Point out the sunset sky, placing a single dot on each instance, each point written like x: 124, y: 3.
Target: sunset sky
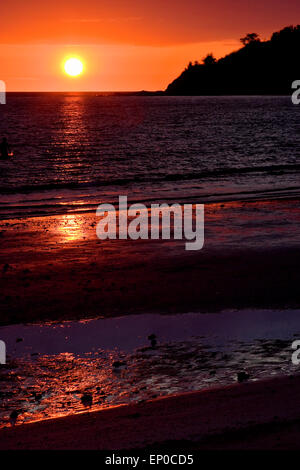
x: 125, y: 45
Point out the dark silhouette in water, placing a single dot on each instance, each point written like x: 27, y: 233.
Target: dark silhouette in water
x: 259, y: 67
x: 5, y: 151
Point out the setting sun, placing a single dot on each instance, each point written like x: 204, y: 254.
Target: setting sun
x: 73, y: 67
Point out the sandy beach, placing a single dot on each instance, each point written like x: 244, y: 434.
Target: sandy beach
x: 250, y: 259
x: 258, y: 415
x: 63, y: 272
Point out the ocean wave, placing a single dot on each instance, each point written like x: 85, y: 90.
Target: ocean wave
x: 213, y: 173
x: 42, y: 208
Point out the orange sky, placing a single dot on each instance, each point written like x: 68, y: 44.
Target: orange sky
x: 126, y: 45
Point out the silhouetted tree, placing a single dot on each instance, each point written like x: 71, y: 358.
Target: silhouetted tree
x: 192, y: 65
x: 209, y: 60
x: 250, y: 38
x: 286, y: 34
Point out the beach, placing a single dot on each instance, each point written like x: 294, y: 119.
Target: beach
x: 250, y: 259
x: 262, y: 415
x: 66, y: 283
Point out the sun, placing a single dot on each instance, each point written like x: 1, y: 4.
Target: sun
x: 73, y: 67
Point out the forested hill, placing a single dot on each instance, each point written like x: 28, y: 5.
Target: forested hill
x: 259, y: 67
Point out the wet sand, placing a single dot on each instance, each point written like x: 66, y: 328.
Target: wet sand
x: 55, y: 268
x: 53, y: 366
x: 257, y: 415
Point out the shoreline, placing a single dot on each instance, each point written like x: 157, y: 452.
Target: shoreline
x: 241, y: 416
x: 265, y: 196
x: 63, y: 272
x: 89, y: 278
x: 192, y: 352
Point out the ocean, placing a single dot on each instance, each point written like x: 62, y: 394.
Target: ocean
x: 73, y: 151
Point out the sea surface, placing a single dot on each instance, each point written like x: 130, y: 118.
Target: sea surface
x: 73, y: 151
